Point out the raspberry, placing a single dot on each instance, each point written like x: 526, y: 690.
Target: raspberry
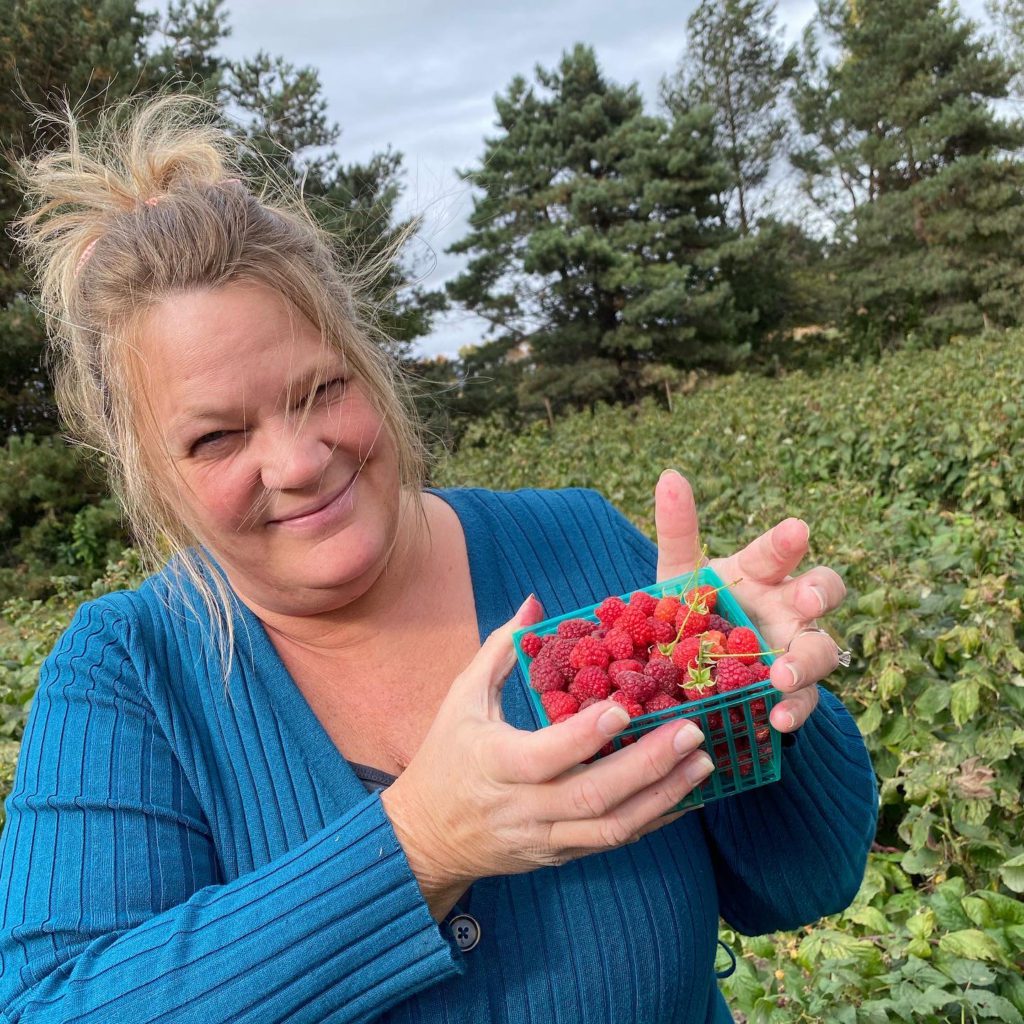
x: 662, y: 631
x: 691, y: 621
x: 619, y: 644
x: 590, y: 682
x: 531, y: 644
x: 635, y: 710
x: 759, y: 671
x: 685, y: 653
x: 742, y: 643
x: 626, y: 665
x: 636, y: 686
x: 545, y: 676
x: 609, y: 610
x: 731, y: 674
x: 590, y: 700
x: 718, y: 623
x: 644, y: 601
x: 558, y: 653
x: 660, y: 702
x: 703, y: 598
x: 589, y: 651
x: 714, y: 637
x: 634, y: 622
x: 699, y: 688
x: 665, y: 674
x: 666, y: 609
x: 715, y: 720
x: 558, y: 703
x: 573, y: 629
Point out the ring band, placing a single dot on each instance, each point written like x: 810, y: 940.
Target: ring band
x: 844, y: 657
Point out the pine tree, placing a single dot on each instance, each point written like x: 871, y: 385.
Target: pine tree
x: 595, y: 236
x: 905, y: 156
x: 52, y: 51
x: 735, y: 63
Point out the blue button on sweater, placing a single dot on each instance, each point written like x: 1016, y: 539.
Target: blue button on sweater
x: 181, y: 851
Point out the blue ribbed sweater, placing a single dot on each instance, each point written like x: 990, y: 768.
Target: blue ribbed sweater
x: 176, y: 853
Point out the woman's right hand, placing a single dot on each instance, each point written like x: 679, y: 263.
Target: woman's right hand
x: 481, y: 798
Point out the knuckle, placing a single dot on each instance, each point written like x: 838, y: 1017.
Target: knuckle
x: 651, y: 767
x: 615, y: 832
x: 587, y: 798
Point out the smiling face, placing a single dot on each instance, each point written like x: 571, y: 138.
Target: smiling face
x: 278, y: 460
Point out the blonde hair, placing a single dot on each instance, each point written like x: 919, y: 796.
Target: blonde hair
x: 150, y: 201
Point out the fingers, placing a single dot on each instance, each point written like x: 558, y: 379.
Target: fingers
x: 636, y: 816
x: 479, y: 684
x: 774, y: 554
x: 810, y: 658
x: 675, y: 516
x: 816, y: 592
x: 535, y: 757
x: 790, y: 714
x: 593, y: 790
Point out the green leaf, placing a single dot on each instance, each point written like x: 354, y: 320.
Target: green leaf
x: 996, y: 1007
x: 1012, y: 873
x: 871, y: 918
x: 870, y: 720
x: 972, y: 944
x: 891, y: 682
x: 922, y: 924
x: 934, y: 700
x: 965, y: 698
x: 921, y: 861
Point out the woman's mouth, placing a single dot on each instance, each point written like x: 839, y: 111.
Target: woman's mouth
x: 327, y: 511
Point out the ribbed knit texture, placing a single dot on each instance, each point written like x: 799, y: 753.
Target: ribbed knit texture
x: 179, y: 854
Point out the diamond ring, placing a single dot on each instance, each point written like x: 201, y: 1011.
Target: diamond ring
x: 844, y: 657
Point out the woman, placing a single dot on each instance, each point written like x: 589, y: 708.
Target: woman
x: 282, y: 781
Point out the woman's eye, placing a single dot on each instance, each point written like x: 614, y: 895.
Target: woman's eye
x: 331, y: 389
x: 212, y: 441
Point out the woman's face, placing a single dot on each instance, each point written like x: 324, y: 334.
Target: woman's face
x: 298, y: 505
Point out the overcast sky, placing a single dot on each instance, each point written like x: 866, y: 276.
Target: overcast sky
x: 421, y: 76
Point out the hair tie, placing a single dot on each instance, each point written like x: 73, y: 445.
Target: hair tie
x: 151, y: 201
x: 84, y: 258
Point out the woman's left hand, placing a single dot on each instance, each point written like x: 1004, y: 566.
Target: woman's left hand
x: 779, y: 604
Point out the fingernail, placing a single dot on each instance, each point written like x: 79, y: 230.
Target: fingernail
x: 792, y: 669
x: 613, y: 721
x: 688, y: 738
x: 522, y: 615
x: 820, y: 595
x: 699, y: 768
x: 788, y: 720
x: 670, y: 469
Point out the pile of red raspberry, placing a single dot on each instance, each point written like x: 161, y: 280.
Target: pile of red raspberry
x: 652, y: 655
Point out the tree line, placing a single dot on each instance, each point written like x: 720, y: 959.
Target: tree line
x: 776, y: 206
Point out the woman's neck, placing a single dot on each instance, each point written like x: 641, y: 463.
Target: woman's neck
x: 418, y: 562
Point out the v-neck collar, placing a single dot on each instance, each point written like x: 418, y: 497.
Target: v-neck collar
x: 494, y: 605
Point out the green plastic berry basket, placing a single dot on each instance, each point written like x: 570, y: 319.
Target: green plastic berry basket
x: 730, y: 721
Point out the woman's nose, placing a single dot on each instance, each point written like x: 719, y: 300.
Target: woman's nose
x: 293, y: 458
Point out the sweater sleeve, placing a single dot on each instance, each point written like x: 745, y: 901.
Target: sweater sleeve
x: 111, y: 901
x: 793, y: 851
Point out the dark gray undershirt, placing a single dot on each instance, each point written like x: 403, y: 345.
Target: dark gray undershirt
x: 372, y: 778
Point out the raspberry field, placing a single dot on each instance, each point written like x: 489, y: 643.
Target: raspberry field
x: 911, y: 475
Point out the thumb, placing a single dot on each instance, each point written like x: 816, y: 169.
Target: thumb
x: 482, y: 680
x: 675, y: 517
